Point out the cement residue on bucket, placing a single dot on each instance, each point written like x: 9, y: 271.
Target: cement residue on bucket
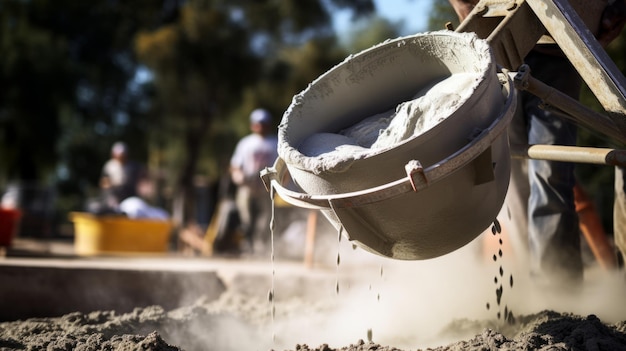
x: 431, y: 105
x: 433, y: 99
x: 381, y: 98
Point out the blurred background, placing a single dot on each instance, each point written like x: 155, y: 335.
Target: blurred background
x: 176, y: 80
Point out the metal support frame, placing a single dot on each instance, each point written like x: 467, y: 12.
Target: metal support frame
x: 514, y: 27
x: 565, y: 106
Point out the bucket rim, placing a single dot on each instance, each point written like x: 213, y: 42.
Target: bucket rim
x: 417, y: 179
x: 292, y: 155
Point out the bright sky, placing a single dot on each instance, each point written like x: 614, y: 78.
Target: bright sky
x: 414, y: 14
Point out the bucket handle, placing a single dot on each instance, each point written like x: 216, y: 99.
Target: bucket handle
x: 417, y: 178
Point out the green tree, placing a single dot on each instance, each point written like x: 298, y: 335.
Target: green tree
x: 221, y: 59
x: 370, y: 31
x: 442, y: 13
x: 68, y: 93
x: 72, y: 84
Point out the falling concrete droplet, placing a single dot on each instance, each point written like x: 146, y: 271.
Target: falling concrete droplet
x: 497, y: 225
x: 499, y: 294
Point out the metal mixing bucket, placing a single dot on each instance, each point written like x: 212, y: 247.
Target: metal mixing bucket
x: 428, y: 195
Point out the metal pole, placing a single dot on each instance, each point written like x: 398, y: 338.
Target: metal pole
x: 578, y: 154
x: 567, y: 106
x: 585, y: 53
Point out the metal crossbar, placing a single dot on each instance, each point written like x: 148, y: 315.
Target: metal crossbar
x: 514, y: 27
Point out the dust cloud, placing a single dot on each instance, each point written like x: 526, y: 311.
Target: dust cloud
x: 400, y: 303
x: 419, y: 304
x: 462, y: 299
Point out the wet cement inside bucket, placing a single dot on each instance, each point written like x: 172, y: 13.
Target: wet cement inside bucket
x: 339, y: 138
x: 410, y: 119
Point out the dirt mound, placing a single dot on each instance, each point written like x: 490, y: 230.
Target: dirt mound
x: 241, y: 323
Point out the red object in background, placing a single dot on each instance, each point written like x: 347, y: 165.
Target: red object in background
x: 9, y: 221
x: 592, y: 230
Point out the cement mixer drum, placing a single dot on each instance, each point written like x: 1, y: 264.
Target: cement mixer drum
x: 426, y: 195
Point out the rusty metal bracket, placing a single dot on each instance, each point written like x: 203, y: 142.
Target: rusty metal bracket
x: 520, y: 80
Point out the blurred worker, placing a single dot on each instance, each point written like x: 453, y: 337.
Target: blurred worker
x: 553, y: 231
x: 120, y: 176
x: 253, y: 153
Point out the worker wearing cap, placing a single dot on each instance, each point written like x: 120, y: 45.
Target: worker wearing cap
x: 552, y: 222
x: 120, y: 176
x: 252, y: 154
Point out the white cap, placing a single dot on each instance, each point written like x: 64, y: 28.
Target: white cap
x: 119, y: 148
x: 260, y: 116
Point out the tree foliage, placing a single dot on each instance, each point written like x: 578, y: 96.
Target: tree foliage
x: 66, y: 72
x: 221, y: 59
x: 175, y: 79
x: 442, y: 13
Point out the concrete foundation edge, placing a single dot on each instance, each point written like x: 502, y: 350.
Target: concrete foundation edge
x: 28, y: 292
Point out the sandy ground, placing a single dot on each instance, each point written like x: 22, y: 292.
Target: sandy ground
x: 220, y: 326
x: 462, y: 301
